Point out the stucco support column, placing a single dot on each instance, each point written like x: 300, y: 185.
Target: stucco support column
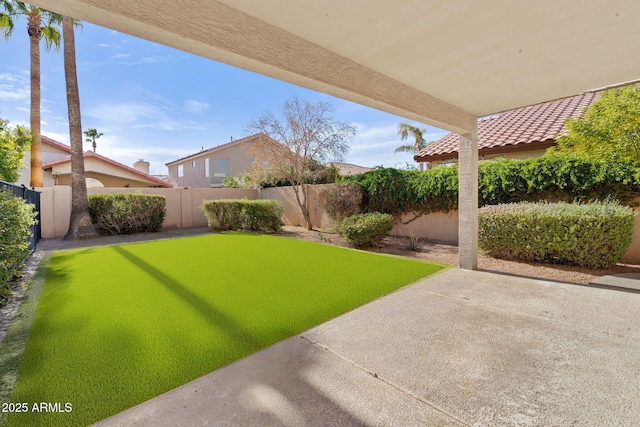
x: 468, y: 200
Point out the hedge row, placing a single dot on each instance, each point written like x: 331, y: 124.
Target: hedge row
x: 252, y: 215
x: 16, y: 216
x: 553, y: 177
x: 125, y: 213
x: 594, y: 235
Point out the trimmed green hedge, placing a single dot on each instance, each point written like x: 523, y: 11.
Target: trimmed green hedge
x: 252, y: 215
x: 594, y: 235
x: 16, y: 216
x: 366, y: 229
x: 553, y: 177
x: 125, y: 213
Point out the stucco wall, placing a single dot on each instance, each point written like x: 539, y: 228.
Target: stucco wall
x: 182, y: 205
x: 436, y: 226
x: 286, y: 196
x: 292, y: 214
x: 183, y: 211
x: 444, y: 227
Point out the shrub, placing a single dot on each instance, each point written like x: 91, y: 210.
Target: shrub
x: 125, y: 213
x: 342, y: 200
x: 594, y: 235
x: 16, y: 216
x: 252, y: 215
x: 551, y: 177
x: 385, y: 190
x: 557, y: 178
x: 366, y: 229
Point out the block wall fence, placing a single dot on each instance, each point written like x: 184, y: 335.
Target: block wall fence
x: 183, y: 211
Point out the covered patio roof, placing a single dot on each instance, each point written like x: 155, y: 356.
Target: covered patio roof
x: 444, y: 63
x: 440, y: 62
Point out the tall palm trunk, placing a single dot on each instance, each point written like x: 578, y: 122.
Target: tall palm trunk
x: 80, y: 223
x: 35, y: 33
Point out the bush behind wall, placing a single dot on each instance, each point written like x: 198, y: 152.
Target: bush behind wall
x: 252, y: 215
x: 553, y: 177
x: 125, y: 213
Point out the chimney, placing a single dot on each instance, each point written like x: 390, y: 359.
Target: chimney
x: 141, y: 166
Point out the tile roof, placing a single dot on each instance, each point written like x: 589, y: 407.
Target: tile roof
x: 218, y: 147
x: 88, y: 154
x: 54, y: 143
x: 537, y: 123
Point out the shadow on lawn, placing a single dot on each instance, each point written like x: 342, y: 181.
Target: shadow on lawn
x: 210, y: 313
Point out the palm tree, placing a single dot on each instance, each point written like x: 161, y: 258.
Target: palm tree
x: 41, y: 24
x: 404, y: 130
x: 80, y: 226
x: 92, y: 134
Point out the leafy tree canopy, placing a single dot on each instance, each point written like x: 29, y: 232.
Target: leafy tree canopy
x: 13, y: 143
x: 609, y: 128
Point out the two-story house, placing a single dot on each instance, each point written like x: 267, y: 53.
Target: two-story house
x: 208, y: 168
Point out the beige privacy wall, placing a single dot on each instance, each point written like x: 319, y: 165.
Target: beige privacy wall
x: 183, y: 205
x: 183, y: 211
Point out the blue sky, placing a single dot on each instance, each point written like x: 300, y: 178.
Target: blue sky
x: 159, y: 104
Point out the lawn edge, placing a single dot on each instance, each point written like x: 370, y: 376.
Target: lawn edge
x: 14, y: 343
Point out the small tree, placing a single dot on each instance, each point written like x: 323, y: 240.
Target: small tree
x: 302, y: 135
x: 609, y: 128
x: 92, y: 134
x: 13, y: 143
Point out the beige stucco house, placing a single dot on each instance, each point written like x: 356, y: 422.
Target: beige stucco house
x: 208, y: 168
x: 99, y: 170
x: 515, y: 134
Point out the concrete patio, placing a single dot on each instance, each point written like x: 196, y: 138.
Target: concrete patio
x: 460, y: 348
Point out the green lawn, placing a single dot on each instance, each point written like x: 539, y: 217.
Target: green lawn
x: 118, y: 325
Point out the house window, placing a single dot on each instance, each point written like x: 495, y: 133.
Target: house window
x: 220, y: 167
x: 193, y: 163
x: 206, y: 167
x: 180, y: 171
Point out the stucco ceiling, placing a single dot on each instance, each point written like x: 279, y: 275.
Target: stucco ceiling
x: 441, y: 62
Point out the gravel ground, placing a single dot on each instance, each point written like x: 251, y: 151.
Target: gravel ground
x: 448, y: 254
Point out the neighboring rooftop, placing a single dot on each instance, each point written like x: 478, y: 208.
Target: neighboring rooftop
x: 348, y: 168
x: 218, y: 147
x: 90, y: 154
x: 54, y: 143
x: 539, y: 125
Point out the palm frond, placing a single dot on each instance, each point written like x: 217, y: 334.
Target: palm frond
x: 405, y: 149
x: 52, y: 37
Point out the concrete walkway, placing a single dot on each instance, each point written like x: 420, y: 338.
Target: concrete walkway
x: 460, y: 348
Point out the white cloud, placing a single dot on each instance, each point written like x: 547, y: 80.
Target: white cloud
x: 125, y: 113
x: 142, y: 115
x: 14, y: 87
x: 57, y: 136
x: 121, y: 55
x: 196, y: 107
x: 147, y: 60
x: 127, y: 152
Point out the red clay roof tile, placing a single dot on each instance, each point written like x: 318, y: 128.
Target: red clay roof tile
x: 536, y: 123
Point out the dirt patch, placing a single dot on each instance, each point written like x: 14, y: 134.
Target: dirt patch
x: 442, y: 253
